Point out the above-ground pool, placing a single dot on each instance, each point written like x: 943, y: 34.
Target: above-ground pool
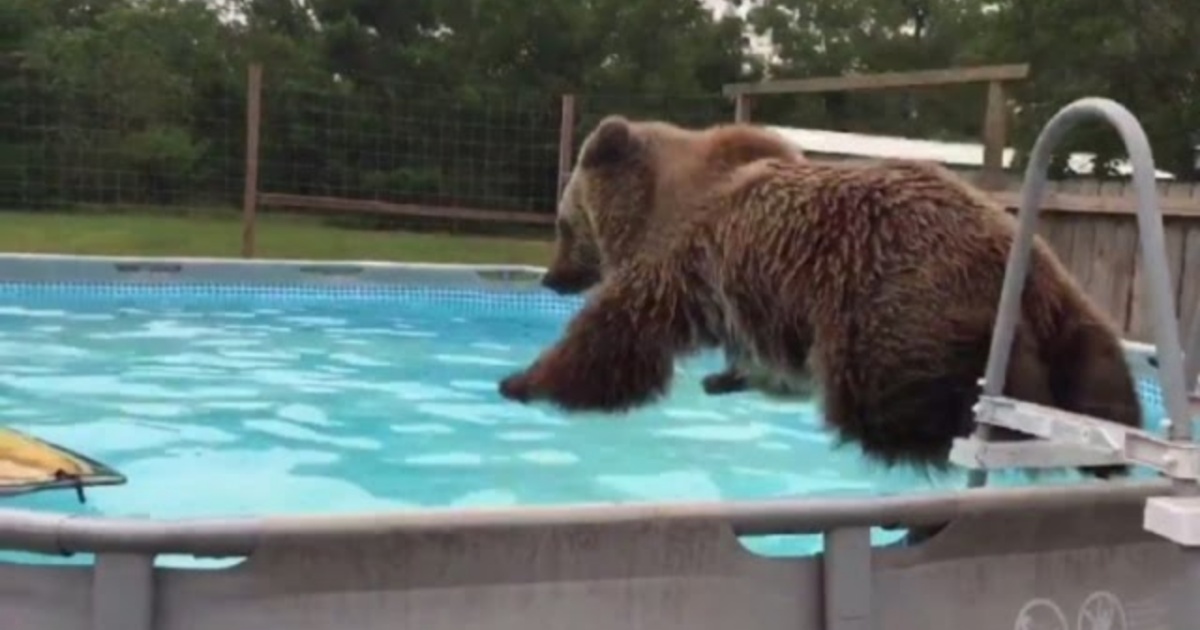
x: 265, y: 398
x: 313, y: 423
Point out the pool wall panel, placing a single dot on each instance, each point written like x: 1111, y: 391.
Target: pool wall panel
x: 982, y: 573
x: 45, y: 598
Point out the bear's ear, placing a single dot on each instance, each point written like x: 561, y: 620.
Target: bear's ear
x: 611, y: 142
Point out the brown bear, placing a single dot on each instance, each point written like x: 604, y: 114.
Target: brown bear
x: 683, y: 164
x: 887, y: 276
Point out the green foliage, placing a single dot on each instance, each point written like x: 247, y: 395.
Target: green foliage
x: 1139, y: 52
x: 1142, y: 53
x: 455, y: 102
x: 166, y: 158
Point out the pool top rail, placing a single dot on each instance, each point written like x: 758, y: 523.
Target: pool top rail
x: 64, y: 534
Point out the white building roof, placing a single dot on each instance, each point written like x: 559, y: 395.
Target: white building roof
x: 961, y: 154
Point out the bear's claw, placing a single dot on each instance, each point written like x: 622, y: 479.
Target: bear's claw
x: 516, y: 387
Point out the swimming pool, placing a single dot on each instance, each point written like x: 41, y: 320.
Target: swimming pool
x: 256, y: 397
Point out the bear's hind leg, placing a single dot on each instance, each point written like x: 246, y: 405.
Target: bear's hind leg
x: 1027, y: 378
x: 905, y: 395
x: 913, y: 422
x: 900, y: 411
x: 1091, y: 377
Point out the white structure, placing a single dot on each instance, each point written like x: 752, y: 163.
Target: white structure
x: 952, y: 154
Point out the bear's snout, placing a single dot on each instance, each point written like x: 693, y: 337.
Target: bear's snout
x: 569, y: 282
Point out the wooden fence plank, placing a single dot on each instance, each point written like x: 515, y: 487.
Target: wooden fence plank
x: 1058, y: 230
x: 1175, y: 232
x: 1141, y: 320
x: 370, y: 206
x: 1122, y: 258
x: 1080, y: 233
x: 1100, y: 260
x: 1189, y: 280
x: 1115, y: 201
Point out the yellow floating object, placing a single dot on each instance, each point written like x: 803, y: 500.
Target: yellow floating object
x: 29, y: 464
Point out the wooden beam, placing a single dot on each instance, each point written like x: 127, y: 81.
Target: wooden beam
x: 883, y: 81
x: 371, y: 206
x: 1102, y: 204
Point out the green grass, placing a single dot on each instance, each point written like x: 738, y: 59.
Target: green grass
x: 279, y: 236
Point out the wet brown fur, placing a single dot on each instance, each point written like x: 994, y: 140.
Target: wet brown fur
x: 678, y: 166
x: 886, y: 276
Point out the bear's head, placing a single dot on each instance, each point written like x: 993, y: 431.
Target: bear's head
x: 631, y: 181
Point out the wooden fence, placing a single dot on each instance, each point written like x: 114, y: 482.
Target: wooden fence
x: 1092, y: 226
x: 1103, y: 251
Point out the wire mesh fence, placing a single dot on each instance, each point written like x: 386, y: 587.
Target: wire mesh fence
x: 407, y: 145
x: 71, y: 148
x: 65, y: 147
x: 442, y: 150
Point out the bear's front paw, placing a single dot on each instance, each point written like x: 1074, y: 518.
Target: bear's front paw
x: 727, y: 382
x: 517, y: 387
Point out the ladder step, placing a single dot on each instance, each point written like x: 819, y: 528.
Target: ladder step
x: 1070, y: 440
x: 976, y: 454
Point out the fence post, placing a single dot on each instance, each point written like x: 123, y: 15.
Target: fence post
x: 250, y: 193
x: 566, y: 141
x: 995, y: 136
x: 741, y: 108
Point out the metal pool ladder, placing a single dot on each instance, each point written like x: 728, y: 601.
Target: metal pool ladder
x: 1068, y: 439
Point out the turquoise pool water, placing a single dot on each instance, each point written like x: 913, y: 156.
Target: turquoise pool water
x: 267, y: 402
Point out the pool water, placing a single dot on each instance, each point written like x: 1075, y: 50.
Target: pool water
x: 255, y: 403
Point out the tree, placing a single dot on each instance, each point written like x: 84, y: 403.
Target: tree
x: 1141, y: 53
x: 833, y: 37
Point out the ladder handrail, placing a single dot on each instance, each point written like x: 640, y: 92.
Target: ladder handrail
x: 1154, y: 259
